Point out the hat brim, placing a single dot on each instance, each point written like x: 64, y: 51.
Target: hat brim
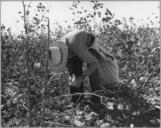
x: 62, y: 66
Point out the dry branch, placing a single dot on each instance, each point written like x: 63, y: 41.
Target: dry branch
x: 70, y: 95
x: 58, y: 124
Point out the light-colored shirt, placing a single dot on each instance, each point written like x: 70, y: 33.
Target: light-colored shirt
x: 77, y: 42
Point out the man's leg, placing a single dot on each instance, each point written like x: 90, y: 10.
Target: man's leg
x: 95, y: 84
x: 74, y: 66
x: 95, y: 103
x: 94, y: 78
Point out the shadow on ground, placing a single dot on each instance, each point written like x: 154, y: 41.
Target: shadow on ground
x: 126, y: 109
x: 131, y: 109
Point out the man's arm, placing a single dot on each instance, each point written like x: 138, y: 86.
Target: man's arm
x: 78, y: 45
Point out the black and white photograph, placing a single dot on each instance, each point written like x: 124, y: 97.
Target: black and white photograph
x: 87, y: 63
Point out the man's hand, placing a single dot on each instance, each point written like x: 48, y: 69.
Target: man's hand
x: 79, y: 81
x: 73, y: 81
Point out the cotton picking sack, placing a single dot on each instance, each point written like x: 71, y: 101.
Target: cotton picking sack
x: 107, y: 68
x: 108, y: 71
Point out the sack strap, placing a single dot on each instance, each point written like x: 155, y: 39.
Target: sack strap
x: 104, y: 52
x: 99, y: 55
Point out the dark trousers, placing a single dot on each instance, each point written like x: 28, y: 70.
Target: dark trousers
x: 95, y: 85
x: 74, y: 66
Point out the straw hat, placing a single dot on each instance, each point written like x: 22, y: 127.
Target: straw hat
x: 58, y: 54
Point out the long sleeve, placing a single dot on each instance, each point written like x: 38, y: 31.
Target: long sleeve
x: 77, y: 43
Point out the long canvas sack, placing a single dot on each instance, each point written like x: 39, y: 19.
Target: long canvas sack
x: 107, y: 68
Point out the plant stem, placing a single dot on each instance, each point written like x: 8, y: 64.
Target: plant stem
x: 46, y: 77
x: 25, y: 23
x: 149, y: 76
x: 27, y: 66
